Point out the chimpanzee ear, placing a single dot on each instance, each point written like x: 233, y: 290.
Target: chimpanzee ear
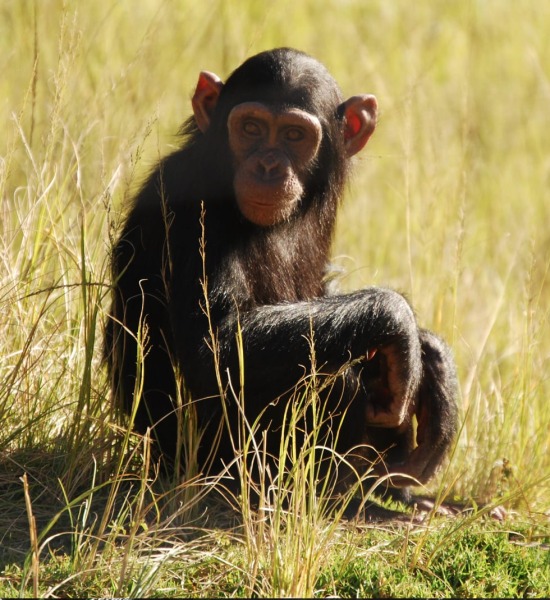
x: 205, y: 98
x: 360, y: 121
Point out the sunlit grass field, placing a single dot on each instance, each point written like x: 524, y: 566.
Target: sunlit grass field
x: 449, y: 204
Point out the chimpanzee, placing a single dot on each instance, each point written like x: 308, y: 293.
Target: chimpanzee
x: 219, y: 279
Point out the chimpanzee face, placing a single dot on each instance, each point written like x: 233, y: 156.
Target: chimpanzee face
x: 274, y: 152
x: 275, y: 143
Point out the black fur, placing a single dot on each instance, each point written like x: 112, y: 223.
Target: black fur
x: 271, y: 281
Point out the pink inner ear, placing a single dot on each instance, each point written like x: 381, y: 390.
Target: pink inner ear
x: 353, y: 125
x: 203, y: 83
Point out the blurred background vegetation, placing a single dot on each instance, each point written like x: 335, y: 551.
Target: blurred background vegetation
x: 449, y: 202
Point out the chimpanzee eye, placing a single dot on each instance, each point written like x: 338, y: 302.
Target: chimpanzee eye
x: 251, y: 128
x: 294, y: 134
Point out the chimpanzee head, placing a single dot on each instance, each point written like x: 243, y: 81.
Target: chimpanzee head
x: 288, y: 131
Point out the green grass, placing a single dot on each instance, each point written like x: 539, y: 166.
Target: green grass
x: 449, y: 203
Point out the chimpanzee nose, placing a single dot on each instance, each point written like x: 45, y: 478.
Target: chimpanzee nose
x: 269, y: 165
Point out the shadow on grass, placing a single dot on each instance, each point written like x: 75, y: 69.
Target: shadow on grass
x: 62, y: 507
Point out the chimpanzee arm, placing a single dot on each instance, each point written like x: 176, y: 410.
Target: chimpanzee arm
x: 346, y: 328
x: 419, y: 371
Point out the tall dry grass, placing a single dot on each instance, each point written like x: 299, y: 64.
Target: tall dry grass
x: 448, y: 204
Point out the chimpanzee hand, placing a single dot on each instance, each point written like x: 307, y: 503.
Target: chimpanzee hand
x: 390, y: 394
x: 433, y: 406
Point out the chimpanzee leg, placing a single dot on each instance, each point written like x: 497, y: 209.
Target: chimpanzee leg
x: 408, y: 452
x: 437, y: 411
